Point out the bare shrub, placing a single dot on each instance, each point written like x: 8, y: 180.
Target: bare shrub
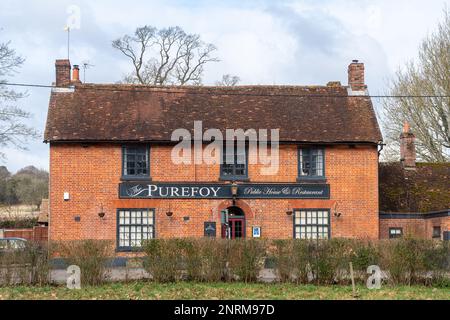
x: 163, y: 259
x: 25, y: 266
x: 91, y: 256
x: 246, y: 258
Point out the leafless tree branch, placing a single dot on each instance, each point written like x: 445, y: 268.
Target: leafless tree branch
x: 12, y: 129
x: 429, y: 116
x: 228, y: 80
x: 165, y: 56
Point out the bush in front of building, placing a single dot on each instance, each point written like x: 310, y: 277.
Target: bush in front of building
x: 437, y: 261
x: 25, y: 266
x: 92, y: 256
x: 245, y: 259
x: 206, y: 260
x: 323, y: 262
x: 282, y: 254
x: 415, y: 261
x: 164, y: 259
x: 313, y: 261
x: 203, y: 260
x: 364, y: 253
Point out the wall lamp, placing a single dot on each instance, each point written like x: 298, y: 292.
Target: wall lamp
x: 234, y: 191
x: 289, y: 212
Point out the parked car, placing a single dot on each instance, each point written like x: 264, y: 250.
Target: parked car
x: 12, y: 244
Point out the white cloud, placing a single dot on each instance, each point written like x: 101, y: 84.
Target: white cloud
x: 18, y: 159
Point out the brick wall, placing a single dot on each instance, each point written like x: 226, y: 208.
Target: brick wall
x: 91, y: 176
x: 415, y: 227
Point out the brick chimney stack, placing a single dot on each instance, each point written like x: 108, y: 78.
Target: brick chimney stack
x: 407, y: 148
x: 62, y: 72
x: 356, y: 76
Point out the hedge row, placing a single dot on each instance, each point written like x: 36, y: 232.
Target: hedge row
x: 403, y: 261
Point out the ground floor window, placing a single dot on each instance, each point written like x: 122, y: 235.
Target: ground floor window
x: 311, y: 224
x: 437, y: 232
x: 134, y: 226
x: 395, y: 233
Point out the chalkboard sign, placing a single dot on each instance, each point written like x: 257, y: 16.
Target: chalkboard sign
x: 210, y: 229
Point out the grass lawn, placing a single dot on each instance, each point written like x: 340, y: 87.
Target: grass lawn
x: 185, y: 291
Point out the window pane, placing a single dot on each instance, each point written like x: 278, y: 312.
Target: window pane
x: 308, y: 226
x: 234, y: 161
x: 311, y: 162
x: 135, y: 161
x: 134, y: 226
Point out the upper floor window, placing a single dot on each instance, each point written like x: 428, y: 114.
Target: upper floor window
x: 136, y: 162
x: 311, y: 163
x: 234, y: 164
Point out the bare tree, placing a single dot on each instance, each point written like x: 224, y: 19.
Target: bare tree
x: 228, y: 80
x: 12, y: 129
x: 165, y: 56
x: 429, y: 114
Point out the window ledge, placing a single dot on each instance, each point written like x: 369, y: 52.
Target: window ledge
x: 129, y: 249
x: 244, y: 179
x: 132, y: 178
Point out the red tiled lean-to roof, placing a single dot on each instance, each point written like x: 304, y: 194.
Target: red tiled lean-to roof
x: 314, y: 114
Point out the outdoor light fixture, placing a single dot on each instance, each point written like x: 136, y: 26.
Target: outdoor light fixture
x: 101, y: 214
x: 234, y: 191
x: 289, y: 212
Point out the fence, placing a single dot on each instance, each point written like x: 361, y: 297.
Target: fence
x: 37, y: 234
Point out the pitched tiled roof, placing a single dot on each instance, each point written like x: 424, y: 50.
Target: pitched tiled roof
x: 318, y: 114
x: 421, y: 190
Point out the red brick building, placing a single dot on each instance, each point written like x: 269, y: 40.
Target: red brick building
x: 112, y: 174
x: 414, y: 197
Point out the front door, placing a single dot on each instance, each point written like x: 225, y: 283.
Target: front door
x: 236, y: 224
x: 237, y: 228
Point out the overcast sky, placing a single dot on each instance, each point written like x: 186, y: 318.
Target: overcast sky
x: 300, y: 42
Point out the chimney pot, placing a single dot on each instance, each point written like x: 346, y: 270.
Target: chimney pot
x: 407, y: 148
x: 406, y: 127
x: 356, y: 76
x: 62, y: 68
x: 76, y: 74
